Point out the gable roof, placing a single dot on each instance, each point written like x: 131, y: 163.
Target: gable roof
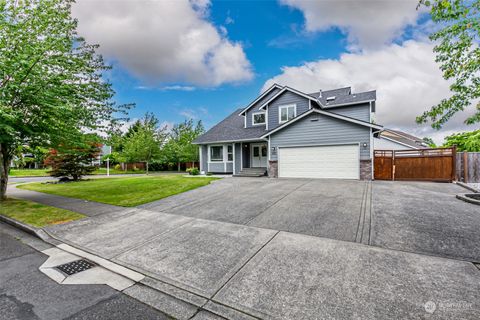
x: 230, y: 129
x: 326, y: 113
x: 260, y: 97
x: 342, y: 97
x: 403, y: 138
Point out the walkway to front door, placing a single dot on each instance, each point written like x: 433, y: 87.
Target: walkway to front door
x: 259, y: 155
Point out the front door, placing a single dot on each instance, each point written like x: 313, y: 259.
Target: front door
x: 259, y: 155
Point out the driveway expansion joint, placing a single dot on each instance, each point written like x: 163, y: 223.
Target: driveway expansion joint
x: 274, y: 203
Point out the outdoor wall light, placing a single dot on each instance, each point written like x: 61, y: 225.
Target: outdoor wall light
x: 364, y: 144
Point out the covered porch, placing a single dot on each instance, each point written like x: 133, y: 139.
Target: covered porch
x: 243, y: 158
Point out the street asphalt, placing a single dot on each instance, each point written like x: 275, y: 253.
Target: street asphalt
x: 26, y: 293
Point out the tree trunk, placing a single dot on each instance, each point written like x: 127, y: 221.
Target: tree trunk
x: 178, y: 166
x: 5, y: 159
x: 147, y: 167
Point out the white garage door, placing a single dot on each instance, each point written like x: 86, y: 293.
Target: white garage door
x: 338, y: 162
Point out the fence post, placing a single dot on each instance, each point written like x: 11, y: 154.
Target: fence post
x: 454, y: 163
x: 393, y: 165
x: 465, y: 167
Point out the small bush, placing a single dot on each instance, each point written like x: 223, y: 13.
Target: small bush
x: 118, y: 167
x: 193, y: 171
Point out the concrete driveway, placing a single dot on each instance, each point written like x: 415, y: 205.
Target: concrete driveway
x: 337, y: 209
x: 419, y: 217
x: 426, y: 218
x: 219, y: 248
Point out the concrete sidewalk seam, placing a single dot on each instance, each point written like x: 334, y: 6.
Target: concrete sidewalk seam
x: 242, y: 266
x: 362, y: 212
x: 153, y: 237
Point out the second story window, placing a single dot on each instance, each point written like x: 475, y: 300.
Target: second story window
x: 286, y: 113
x: 258, y: 118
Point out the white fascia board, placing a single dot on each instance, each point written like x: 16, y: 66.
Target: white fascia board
x: 291, y: 90
x: 231, y: 141
x: 260, y: 97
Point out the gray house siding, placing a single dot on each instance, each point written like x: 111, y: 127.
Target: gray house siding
x: 285, y: 98
x: 229, y: 167
x: 238, y: 158
x: 216, y: 167
x: 204, y: 157
x: 257, y: 105
x: 324, y: 130
x: 359, y: 111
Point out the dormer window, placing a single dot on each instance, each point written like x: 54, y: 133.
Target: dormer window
x: 258, y: 118
x: 286, y: 113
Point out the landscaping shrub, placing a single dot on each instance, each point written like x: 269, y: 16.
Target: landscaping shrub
x: 193, y: 171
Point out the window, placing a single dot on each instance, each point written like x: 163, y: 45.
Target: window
x: 229, y: 152
x: 258, y: 118
x: 287, y: 113
x: 216, y: 153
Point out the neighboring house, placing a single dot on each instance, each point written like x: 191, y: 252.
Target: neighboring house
x: 325, y: 134
x: 389, y: 139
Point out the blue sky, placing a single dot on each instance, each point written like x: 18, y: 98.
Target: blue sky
x: 202, y: 59
x: 271, y: 36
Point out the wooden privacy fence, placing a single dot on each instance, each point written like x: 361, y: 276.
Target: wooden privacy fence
x: 422, y: 165
x: 468, y: 167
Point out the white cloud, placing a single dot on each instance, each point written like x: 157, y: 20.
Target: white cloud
x: 163, y: 41
x: 368, y: 23
x: 178, y: 88
x: 197, y: 113
x: 405, y: 76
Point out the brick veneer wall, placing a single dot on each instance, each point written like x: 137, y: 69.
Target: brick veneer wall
x: 365, y: 169
x: 273, y: 169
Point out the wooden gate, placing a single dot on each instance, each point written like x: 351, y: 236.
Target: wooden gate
x: 421, y: 165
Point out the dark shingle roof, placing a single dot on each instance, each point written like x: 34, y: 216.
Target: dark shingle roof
x: 343, y: 96
x: 231, y: 129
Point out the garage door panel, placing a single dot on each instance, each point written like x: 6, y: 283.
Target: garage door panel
x: 340, y: 162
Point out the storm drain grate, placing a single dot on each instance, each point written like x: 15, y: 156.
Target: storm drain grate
x: 75, y: 266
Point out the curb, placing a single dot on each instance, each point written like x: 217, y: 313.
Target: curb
x: 465, y: 198
x: 36, y: 232
x: 22, y: 226
x: 466, y: 186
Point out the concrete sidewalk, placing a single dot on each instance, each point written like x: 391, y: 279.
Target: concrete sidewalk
x: 88, y: 208
x: 241, y: 272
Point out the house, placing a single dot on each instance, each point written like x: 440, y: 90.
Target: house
x: 390, y: 139
x: 288, y: 133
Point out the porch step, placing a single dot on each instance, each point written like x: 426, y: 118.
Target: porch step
x: 252, y: 172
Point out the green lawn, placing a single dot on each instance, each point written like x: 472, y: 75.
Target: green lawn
x: 28, y: 172
x: 43, y: 172
x: 123, y: 191
x: 35, y: 214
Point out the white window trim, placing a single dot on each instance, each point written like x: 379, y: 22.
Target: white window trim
x: 233, y: 152
x: 286, y: 107
x: 259, y: 124
x: 210, y: 153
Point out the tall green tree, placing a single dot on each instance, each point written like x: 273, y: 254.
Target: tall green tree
x: 145, y: 143
x: 465, y: 141
x: 458, y: 52
x: 179, y: 147
x: 51, y: 85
